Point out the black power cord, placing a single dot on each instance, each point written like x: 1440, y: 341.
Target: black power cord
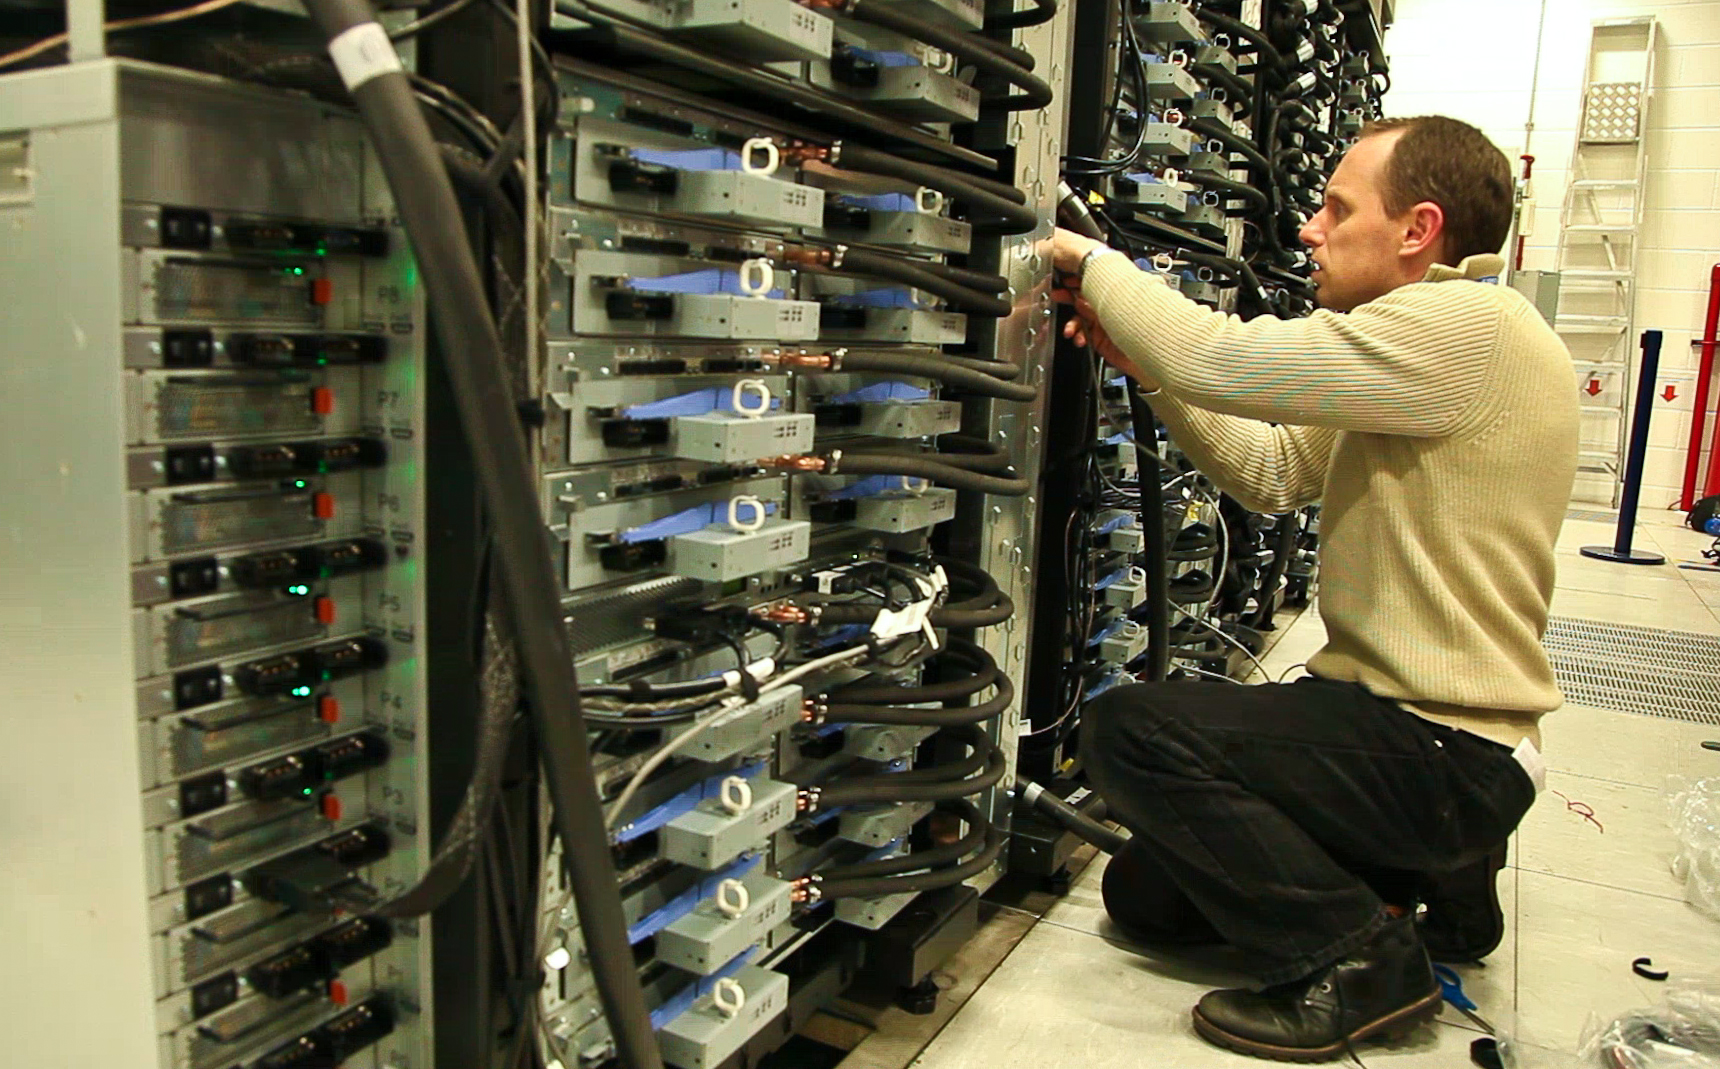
x: 416, y: 176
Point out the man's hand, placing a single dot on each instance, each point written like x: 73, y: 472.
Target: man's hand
x: 1084, y: 329
x: 1067, y: 249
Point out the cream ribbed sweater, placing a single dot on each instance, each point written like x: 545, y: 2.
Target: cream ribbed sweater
x: 1438, y: 426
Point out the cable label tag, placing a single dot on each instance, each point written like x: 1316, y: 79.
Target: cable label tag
x: 362, y: 53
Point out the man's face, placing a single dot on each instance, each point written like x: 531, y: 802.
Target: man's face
x: 1354, y: 242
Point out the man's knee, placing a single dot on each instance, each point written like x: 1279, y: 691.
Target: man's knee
x: 1115, y: 724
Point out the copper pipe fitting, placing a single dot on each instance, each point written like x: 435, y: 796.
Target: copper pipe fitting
x: 802, y: 151
x: 808, y: 255
x: 784, y: 614
x: 804, y: 359
x: 795, y: 462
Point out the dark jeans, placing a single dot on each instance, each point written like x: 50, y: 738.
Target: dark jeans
x: 1291, y: 814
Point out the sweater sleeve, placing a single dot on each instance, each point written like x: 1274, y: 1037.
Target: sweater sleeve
x: 1413, y: 362
x: 1265, y: 467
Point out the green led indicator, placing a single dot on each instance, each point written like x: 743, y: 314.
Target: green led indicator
x: 299, y: 589
x: 300, y: 484
x: 298, y: 270
x: 301, y: 692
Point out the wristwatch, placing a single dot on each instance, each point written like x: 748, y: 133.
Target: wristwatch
x: 1097, y: 250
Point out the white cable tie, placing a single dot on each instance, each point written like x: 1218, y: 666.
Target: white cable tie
x: 362, y: 53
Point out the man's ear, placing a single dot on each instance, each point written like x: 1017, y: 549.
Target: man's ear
x: 1424, y: 231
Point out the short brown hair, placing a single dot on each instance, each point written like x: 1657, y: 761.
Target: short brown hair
x: 1452, y: 164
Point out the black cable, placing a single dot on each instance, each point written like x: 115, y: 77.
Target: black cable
x: 1069, y: 817
x: 845, y: 713
x: 1149, y: 479
x: 1035, y: 92
x: 920, y: 275
x: 961, y: 650
x: 1237, y: 91
x: 990, y: 205
x: 927, y: 881
x: 931, y: 857
x: 940, y: 369
x: 1237, y: 28
x: 1233, y: 190
x: 455, y: 295
x: 1041, y: 12
x: 441, y: 14
x: 889, y: 787
x: 925, y: 467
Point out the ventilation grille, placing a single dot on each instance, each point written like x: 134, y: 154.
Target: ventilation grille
x: 1672, y: 674
x: 1612, y: 112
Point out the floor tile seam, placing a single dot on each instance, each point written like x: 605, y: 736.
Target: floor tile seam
x: 1595, y: 883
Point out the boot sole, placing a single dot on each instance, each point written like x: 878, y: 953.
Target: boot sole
x: 1393, y: 1024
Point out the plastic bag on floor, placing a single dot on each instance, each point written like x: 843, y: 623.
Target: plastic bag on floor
x: 1683, y: 1032
x: 1694, y: 811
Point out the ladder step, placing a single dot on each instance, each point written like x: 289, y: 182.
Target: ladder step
x: 1599, y: 367
x: 1601, y: 228
x: 1580, y: 324
x: 1611, y: 410
x: 1603, y: 183
x: 1597, y: 454
x: 1586, y: 274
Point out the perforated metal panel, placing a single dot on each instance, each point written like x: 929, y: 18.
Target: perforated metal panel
x: 1673, y: 674
x: 1612, y: 114
x: 1591, y: 516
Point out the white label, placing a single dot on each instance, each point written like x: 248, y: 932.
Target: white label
x: 363, y: 53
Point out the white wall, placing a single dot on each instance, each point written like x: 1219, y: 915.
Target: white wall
x: 1475, y: 60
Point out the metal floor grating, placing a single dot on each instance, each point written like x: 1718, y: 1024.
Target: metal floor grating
x: 1672, y: 674
x: 1592, y: 517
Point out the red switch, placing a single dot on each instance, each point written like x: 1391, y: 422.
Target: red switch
x: 323, y: 506
x: 322, y: 400
x: 328, y: 709
x: 322, y: 291
x: 337, y: 992
x: 331, y: 806
x: 325, y: 610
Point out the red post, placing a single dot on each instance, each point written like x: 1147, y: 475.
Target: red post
x: 1699, y: 407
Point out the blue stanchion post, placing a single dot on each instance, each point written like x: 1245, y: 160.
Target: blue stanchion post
x: 1620, y: 551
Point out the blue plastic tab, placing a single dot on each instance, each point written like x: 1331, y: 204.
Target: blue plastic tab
x: 691, y: 159
x: 886, y: 58
x: 870, y: 486
x: 697, y: 403
x: 1113, y: 524
x: 893, y: 297
x: 879, y: 202
x: 705, y: 282
x: 1111, y: 580
x: 882, y: 391
x: 687, y: 521
x: 655, y: 818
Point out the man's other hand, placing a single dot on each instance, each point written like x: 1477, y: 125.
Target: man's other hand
x: 1067, y: 249
x: 1083, y: 329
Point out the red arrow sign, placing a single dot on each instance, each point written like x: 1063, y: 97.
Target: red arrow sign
x: 1670, y: 392
x: 1594, y: 387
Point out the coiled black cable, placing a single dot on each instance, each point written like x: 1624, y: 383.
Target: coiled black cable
x: 922, y: 275
x: 991, y: 205
x: 922, y: 466
x: 925, y: 881
x: 940, y: 369
x: 1035, y: 92
x: 891, y: 787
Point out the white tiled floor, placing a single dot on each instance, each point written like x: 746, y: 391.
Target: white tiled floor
x: 1583, y: 898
